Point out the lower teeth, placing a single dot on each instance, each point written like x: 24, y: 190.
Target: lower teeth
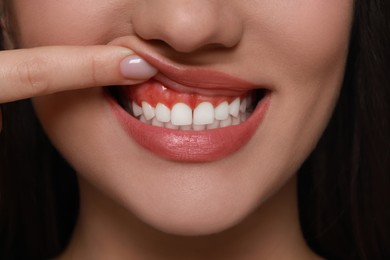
x: 216, y: 124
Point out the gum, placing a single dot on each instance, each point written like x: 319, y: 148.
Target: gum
x: 154, y: 92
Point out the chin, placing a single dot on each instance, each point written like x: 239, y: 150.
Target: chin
x: 194, y: 210
x: 195, y: 221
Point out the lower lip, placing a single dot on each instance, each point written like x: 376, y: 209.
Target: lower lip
x: 191, y: 146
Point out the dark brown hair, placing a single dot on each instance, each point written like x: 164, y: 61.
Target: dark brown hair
x: 344, y: 186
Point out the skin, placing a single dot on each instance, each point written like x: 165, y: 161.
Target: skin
x: 137, y: 205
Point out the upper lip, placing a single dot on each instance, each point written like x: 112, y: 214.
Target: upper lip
x: 197, y: 80
x: 184, y: 78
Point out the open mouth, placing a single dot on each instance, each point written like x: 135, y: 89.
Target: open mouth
x: 189, y: 114
x: 155, y: 104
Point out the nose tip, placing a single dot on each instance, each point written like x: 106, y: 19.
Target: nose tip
x: 187, y: 25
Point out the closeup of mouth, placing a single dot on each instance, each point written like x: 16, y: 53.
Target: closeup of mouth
x: 155, y: 104
x: 190, y: 116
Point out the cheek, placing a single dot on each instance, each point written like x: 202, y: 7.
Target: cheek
x: 318, y: 38
x: 300, y: 39
x: 44, y: 22
x: 302, y: 47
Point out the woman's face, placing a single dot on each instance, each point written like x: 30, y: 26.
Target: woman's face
x: 295, y: 50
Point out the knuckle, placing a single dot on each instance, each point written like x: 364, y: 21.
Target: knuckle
x: 94, y: 71
x: 33, y: 74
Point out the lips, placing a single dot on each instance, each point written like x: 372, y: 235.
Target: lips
x: 196, y: 80
x: 190, y: 115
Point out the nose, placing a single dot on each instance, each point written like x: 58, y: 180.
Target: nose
x: 187, y: 25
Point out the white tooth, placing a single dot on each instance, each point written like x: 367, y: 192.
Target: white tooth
x: 181, y: 114
x: 148, y: 110
x: 222, y: 111
x: 244, y: 116
x: 243, y: 106
x: 199, y: 127
x: 163, y: 113
x: 170, y: 126
x: 234, y: 107
x: 137, y: 110
x: 144, y: 120
x: 185, y: 127
x: 156, y: 122
x: 236, y: 121
x: 226, y: 122
x: 204, y: 114
x: 214, y: 125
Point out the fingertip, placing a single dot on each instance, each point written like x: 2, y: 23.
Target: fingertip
x: 134, y: 67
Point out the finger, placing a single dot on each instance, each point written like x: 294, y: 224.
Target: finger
x: 39, y: 71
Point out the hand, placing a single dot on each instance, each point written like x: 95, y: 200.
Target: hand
x: 40, y: 71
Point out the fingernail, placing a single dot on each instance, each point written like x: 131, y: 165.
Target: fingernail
x: 134, y: 67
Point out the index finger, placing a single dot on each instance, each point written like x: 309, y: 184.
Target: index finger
x: 39, y: 71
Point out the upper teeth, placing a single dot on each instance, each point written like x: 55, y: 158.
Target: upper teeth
x: 204, y: 116
x: 181, y: 114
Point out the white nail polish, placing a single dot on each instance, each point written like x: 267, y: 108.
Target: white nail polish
x: 134, y: 67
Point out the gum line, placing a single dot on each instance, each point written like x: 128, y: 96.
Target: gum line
x: 153, y: 103
x: 153, y: 92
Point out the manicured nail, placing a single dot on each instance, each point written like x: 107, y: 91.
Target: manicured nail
x: 134, y: 67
